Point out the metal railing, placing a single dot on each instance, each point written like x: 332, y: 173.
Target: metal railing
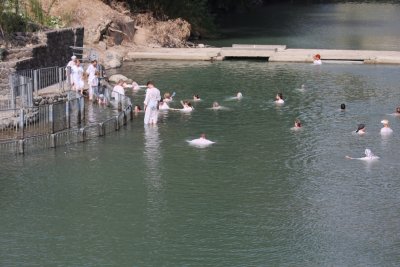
x: 43, y: 128
x: 46, y: 77
x: 42, y: 120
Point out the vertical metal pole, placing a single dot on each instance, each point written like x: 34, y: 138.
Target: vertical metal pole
x: 67, y: 114
x: 116, y: 123
x: 79, y: 111
x: 51, y: 118
x: 22, y: 87
x: 13, y: 93
x: 21, y: 146
x: 52, y: 140
x: 21, y: 123
x: 82, y: 106
x: 60, y: 80
x: 35, y: 82
x: 101, y: 129
x: 30, y: 92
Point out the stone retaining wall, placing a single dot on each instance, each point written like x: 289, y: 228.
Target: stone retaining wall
x: 53, y: 51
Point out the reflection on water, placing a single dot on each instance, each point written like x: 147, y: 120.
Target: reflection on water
x: 153, y: 155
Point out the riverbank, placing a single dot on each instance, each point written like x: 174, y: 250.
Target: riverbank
x: 271, y: 53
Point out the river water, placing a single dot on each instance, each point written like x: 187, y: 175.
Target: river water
x: 262, y: 195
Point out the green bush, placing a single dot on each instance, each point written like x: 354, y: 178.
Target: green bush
x: 11, y: 22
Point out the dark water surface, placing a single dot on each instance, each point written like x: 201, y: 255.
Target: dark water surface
x: 263, y: 195
x: 368, y: 25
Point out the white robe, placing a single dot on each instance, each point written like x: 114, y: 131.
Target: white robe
x: 77, y: 72
x: 151, y: 101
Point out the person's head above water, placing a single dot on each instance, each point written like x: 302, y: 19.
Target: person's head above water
x: 385, y: 123
x: 360, y: 127
x: 398, y: 110
x: 215, y: 104
x: 203, y: 136
x: 343, y: 106
x: 150, y: 84
x: 279, y: 96
x: 297, y: 123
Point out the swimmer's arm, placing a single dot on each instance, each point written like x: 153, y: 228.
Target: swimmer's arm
x: 348, y: 157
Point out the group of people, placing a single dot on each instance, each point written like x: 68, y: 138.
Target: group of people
x: 77, y: 76
x: 361, y: 130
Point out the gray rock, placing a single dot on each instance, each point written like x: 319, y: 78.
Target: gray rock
x: 116, y: 77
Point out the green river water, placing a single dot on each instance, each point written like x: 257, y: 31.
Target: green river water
x: 262, y: 195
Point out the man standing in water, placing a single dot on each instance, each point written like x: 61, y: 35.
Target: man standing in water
x: 153, y: 96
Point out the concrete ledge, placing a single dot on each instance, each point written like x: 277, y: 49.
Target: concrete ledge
x: 286, y: 55
x: 254, y: 46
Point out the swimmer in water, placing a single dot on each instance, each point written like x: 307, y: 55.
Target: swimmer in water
x: 239, y: 96
x: 217, y: 106
x: 196, y: 98
x: 317, y: 59
x: 186, y: 107
x: 386, y: 130
x: 342, y: 107
x: 163, y: 105
x: 297, y: 123
x: 302, y: 88
x: 201, y: 142
x: 167, y: 97
x: 279, y: 98
x: 397, y: 113
x: 135, y: 86
x: 137, y: 109
x: 360, y: 129
x: 102, y: 100
x: 369, y: 156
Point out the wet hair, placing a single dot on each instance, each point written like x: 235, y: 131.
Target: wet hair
x: 167, y: 95
x: 398, y: 109
x: 189, y: 104
x: 298, y: 123
x: 360, y: 127
x: 280, y: 95
x: 342, y: 106
x: 149, y: 82
x: 196, y: 96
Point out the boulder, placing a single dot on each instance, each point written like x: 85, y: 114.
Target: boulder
x: 116, y: 77
x: 113, y: 59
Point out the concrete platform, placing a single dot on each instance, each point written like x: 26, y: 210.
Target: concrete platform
x: 272, y: 53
